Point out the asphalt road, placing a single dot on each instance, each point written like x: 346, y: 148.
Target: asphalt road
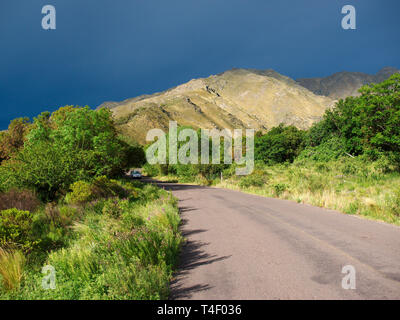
x: 242, y: 246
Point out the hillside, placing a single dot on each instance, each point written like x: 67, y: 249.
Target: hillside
x: 343, y: 84
x: 239, y: 98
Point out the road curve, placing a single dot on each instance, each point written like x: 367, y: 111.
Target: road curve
x: 242, y: 246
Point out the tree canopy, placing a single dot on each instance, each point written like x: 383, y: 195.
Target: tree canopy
x: 71, y: 144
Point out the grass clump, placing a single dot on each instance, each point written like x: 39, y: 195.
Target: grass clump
x: 11, y: 268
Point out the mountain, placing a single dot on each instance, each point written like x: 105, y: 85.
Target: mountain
x: 238, y: 98
x: 343, y: 84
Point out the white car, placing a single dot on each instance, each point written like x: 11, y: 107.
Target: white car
x: 136, y: 175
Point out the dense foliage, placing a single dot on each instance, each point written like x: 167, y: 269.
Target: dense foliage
x: 71, y: 144
x: 367, y: 124
x: 280, y: 144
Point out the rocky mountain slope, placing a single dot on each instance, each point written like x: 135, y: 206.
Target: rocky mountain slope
x: 239, y: 98
x: 343, y: 84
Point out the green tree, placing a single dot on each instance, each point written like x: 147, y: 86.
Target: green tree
x: 280, y: 144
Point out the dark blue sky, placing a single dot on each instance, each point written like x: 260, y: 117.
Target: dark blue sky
x: 111, y: 50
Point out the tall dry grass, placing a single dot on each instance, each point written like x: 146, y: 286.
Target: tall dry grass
x: 11, y: 268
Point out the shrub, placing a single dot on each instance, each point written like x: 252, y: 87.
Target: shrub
x: 19, y: 199
x: 11, y: 268
x: 16, y: 229
x: 203, y: 181
x: 102, y: 187
x: 132, y: 220
x: 386, y: 163
x: 97, y: 206
x: 350, y: 167
x: 81, y: 192
x: 112, y: 208
x: 253, y: 180
x: 149, y: 193
x: 279, y: 188
x: 68, y: 213
x: 186, y: 170
x: 331, y: 149
x: 60, y: 216
x: 280, y: 144
x: 150, y: 170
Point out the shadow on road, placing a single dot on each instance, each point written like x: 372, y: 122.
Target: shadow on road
x: 192, y: 256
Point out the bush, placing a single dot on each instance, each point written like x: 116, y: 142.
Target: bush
x: 186, y: 170
x: 331, y: 149
x: 16, y: 229
x: 253, y: 180
x: 82, y: 192
x: 386, y: 163
x: 280, y: 144
x: 279, y: 189
x: 60, y: 216
x: 20, y: 199
x: 112, y: 208
x: 68, y: 213
x: 101, y: 187
x: 151, y: 170
x: 149, y: 193
x: 203, y: 181
x: 105, y: 188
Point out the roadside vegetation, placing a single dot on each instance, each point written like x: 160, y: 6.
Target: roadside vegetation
x: 65, y: 204
x: 349, y: 161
